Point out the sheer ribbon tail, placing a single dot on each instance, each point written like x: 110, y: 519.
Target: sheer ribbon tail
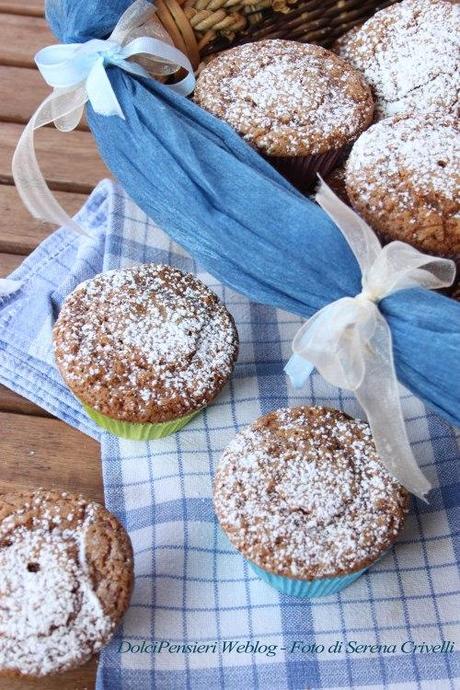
x: 28, y: 178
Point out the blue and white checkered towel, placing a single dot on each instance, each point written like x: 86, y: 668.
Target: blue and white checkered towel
x: 191, y: 585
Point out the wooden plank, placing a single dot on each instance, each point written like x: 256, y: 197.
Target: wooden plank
x: 22, y: 89
x: 80, y: 679
x: 47, y: 452
x: 33, y: 8
x: 36, y: 449
x: 18, y: 104
x: 8, y: 263
x: 20, y: 233
x: 21, y: 37
x: 12, y: 402
x: 70, y: 162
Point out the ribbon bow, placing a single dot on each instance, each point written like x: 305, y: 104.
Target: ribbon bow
x: 77, y: 74
x: 349, y: 341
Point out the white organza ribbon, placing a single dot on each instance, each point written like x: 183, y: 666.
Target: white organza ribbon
x: 349, y: 341
x: 77, y: 74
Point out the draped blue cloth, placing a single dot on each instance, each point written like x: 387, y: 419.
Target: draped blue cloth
x: 214, y: 195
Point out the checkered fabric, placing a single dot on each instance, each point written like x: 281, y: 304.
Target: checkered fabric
x: 191, y: 584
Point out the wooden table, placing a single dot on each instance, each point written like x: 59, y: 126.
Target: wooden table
x: 36, y: 449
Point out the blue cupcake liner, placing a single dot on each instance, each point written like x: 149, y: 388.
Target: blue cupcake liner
x: 321, y: 587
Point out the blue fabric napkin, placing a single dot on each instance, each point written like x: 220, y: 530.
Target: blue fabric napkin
x: 191, y: 585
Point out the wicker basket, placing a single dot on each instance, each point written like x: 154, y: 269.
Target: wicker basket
x: 202, y: 27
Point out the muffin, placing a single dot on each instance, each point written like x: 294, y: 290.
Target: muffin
x: 302, y: 494
x: 410, y: 55
x: 67, y: 576
x: 403, y: 178
x: 144, y: 349
x: 299, y: 105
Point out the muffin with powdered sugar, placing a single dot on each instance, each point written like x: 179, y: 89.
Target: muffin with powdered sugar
x: 145, y: 348
x: 67, y: 576
x: 299, y: 105
x: 409, y: 53
x: 302, y: 494
x: 403, y: 178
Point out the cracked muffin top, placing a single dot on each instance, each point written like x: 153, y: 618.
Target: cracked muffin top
x: 302, y: 493
x: 146, y: 344
x: 286, y: 98
x: 409, y: 53
x: 67, y: 576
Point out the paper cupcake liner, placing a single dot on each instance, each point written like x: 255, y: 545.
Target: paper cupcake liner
x: 302, y: 171
x: 134, y: 431
x: 321, y: 587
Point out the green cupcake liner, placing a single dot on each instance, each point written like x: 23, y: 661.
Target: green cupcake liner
x: 137, y: 432
x: 306, y: 588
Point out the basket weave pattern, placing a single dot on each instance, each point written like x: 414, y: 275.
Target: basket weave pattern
x: 203, y: 27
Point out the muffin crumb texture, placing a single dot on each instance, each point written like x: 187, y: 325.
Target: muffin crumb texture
x: 302, y: 494
x: 403, y: 177
x: 410, y: 55
x: 286, y: 98
x: 145, y: 344
x: 67, y: 576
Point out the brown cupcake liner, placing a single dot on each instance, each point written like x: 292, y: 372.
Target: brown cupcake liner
x: 302, y: 171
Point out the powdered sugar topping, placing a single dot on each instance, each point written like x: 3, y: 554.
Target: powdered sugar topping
x: 286, y: 98
x: 145, y: 344
x: 50, y: 616
x: 302, y: 493
x: 410, y: 55
x: 408, y: 154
